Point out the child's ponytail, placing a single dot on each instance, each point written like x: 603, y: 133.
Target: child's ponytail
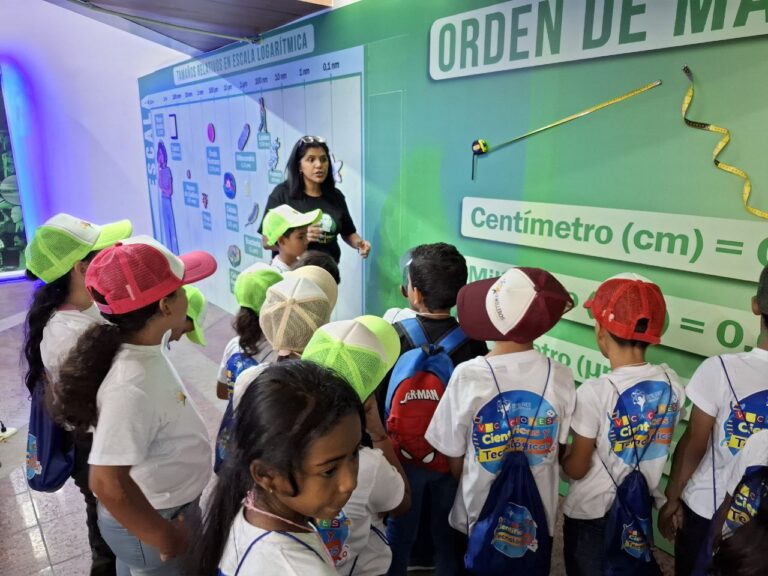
x: 45, y: 301
x: 72, y: 399
x: 246, y: 325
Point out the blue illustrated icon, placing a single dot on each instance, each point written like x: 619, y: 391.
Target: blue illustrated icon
x: 230, y: 186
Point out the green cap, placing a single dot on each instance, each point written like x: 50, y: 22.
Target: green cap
x: 196, y: 309
x: 352, y: 350
x: 278, y: 220
x: 252, y: 284
x: 64, y: 240
x: 386, y: 334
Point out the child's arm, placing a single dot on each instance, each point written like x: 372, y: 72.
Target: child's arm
x: 119, y: 494
x: 378, y: 435
x: 456, y: 466
x: 578, y: 456
x: 688, y: 454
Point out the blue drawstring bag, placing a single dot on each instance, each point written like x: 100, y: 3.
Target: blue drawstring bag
x: 628, y: 539
x: 50, y: 450
x: 236, y: 363
x: 511, y: 534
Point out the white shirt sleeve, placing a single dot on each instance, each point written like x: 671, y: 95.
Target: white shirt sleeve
x: 449, y: 429
x: 126, y: 427
x: 570, y: 405
x: 388, y: 487
x: 704, y: 386
x: 586, y: 417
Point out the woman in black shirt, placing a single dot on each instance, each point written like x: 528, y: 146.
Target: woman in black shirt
x: 309, y: 185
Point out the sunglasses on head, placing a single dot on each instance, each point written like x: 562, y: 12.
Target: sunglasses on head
x: 312, y: 140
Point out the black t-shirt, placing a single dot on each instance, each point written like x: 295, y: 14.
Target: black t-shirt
x: 434, y: 329
x: 336, y: 218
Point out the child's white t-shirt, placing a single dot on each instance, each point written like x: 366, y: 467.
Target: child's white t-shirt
x: 754, y: 453
x: 708, y: 389
x: 380, y: 488
x: 644, y: 407
x: 398, y: 314
x: 256, y: 551
x: 61, y: 333
x: 264, y: 353
x: 148, y: 422
x: 469, y: 422
x: 279, y: 265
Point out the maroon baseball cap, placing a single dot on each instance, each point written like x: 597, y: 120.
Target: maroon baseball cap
x: 623, y: 301
x: 138, y: 271
x: 519, y: 306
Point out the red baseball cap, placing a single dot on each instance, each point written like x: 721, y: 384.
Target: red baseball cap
x: 622, y: 301
x: 519, y: 306
x: 138, y: 271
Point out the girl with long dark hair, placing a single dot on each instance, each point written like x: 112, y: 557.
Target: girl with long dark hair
x: 150, y: 458
x: 295, y: 459
x: 61, y: 310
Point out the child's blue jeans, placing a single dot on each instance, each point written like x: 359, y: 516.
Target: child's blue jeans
x: 134, y: 558
x: 583, y: 546
x: 440, y: 489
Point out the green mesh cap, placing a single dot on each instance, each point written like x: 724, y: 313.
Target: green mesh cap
x: 352, y: 350
x: 282, y: 218
x: 252, y: 284
x: 196, y: 309
x: 64, y: 240
x: 386, y: 334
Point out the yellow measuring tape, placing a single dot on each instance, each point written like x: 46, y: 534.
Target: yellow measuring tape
x: 480, y: 147
x: 747, y: 190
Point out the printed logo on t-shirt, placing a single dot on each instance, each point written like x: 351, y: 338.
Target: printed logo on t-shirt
x: 328, y: 226
x: 745, y: 420
x: 335, y: 534
x: 746, y: 500
x: 491, y: 432
x: 515, y: 532
x: 640, y: 413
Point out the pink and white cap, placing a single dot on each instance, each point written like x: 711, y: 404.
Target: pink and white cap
x: 138, y: 271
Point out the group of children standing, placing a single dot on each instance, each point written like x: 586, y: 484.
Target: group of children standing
x: 342, y: 440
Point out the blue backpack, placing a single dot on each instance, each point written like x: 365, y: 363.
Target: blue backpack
x: 628, y: 539
x: 511, y: 535
x: 236, y: 363
x: 50, y: 450
x: 416, y: 386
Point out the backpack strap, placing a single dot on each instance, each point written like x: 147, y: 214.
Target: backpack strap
x: 414, y: 332
x: 451, y: 341
x: 504, y: 408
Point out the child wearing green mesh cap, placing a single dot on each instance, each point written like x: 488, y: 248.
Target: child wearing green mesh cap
x: 362, y: 351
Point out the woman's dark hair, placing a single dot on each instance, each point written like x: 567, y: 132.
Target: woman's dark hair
x: 246, y: 325
x: 45, y: 301
x: 439, y: 271
x: 293, y: 172
x: 320, y: 259
x: 72, y: 399
x: 743, y: 554
x: 287, y: 407
x: 161, y: 150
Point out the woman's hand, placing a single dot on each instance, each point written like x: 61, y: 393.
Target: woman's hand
x: 364, y: 248
x: 314, y: 233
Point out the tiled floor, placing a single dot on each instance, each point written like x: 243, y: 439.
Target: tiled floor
x: 45, y: 534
